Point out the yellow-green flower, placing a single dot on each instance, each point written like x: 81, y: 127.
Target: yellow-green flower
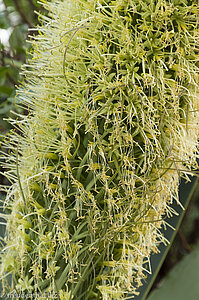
x: 112, y: 90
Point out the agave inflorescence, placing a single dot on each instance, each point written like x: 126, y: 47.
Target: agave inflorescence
x: 112, y: 93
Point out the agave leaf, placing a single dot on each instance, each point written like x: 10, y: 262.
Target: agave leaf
x: 186, y: 191
x: 182, y: 281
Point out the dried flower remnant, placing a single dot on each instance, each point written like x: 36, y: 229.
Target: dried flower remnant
x: 112, y: 88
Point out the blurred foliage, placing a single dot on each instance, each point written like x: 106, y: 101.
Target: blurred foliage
x: 16, y: 17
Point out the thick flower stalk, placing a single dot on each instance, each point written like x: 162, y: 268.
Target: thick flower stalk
x: 111, y: 90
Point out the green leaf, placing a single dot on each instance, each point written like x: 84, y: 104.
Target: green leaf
x: 9, y: 2
x: 5, y: 109
x: 5, y: 91
x: 18, y: 37
x: 4, y: 24
x: 3, y: 71
x: 186, y: 191
x: 182, y: 282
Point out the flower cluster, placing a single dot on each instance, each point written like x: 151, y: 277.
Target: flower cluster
x: 112, y: 93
